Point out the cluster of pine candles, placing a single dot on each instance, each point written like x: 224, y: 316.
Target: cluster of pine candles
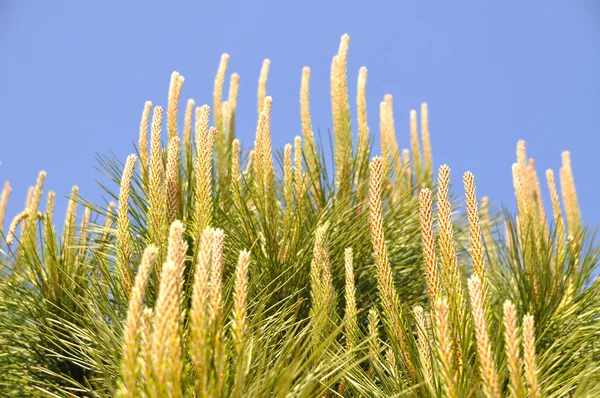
x: 222, y: 275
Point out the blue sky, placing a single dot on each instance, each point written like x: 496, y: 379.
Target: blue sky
x: 74, y: 77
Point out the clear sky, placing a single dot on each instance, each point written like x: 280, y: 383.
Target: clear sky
x: 74, y: 76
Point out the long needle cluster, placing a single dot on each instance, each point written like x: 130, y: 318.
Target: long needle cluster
x: 209, y: 320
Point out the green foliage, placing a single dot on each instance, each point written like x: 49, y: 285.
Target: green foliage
x: 64, y: 299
